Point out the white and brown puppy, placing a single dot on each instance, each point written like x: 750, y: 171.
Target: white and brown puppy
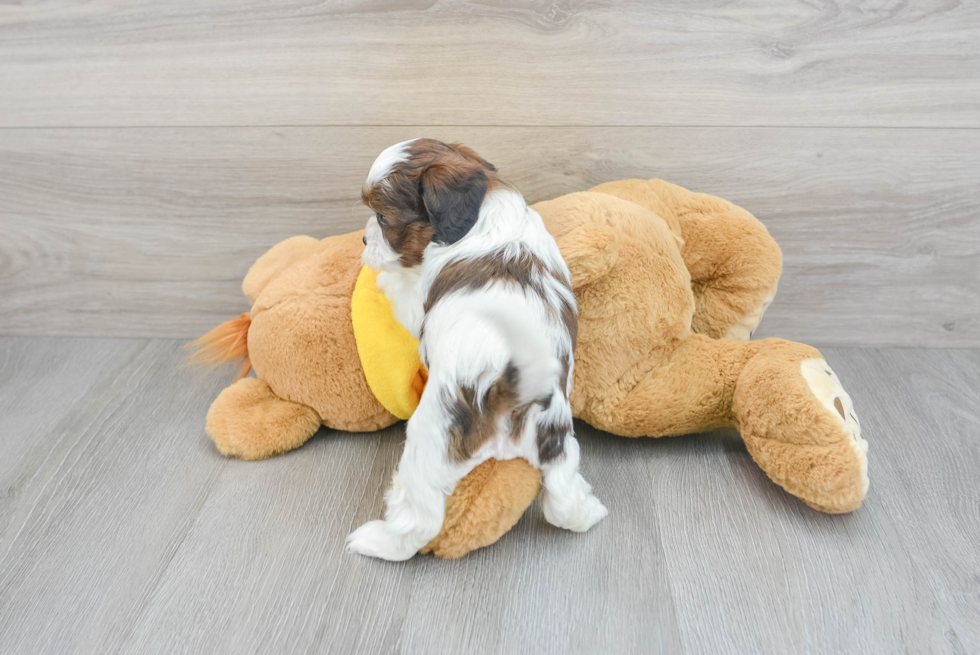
x: 472, y: 272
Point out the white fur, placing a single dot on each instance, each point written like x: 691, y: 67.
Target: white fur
x: 468, y: 339
x: 399, y: 284
x: 404, y: 286
x: 530, y: 351
x: 377, y: 253
x: 387, y: 160
x: 568, y: 500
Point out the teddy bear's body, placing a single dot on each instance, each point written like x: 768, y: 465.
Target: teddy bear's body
x: 670, y: 284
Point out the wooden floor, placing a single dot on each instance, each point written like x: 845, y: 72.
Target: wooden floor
x: 123, y: 530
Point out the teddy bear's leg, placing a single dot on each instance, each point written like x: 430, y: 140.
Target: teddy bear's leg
x: 800, y: 426
x: 797, y: 421
x: 689, y: 392
x: 733, y: 261
x: 247, y: 420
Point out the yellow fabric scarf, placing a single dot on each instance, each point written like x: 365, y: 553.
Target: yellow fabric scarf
x: 389, y: 354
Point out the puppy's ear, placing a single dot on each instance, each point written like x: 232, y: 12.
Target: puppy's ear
x: 452, y: 192
x: 470, y: 154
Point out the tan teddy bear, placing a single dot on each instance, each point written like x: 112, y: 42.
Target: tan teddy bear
x: 670, y: 285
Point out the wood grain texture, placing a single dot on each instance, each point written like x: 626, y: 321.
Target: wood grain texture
x: 125, y: 532
x: 149, y: 232
x: 108, y: 469
x: 498, y: 62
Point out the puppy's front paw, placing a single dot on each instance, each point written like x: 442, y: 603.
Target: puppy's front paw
x: 375, y: 539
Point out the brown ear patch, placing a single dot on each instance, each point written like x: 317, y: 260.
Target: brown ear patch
x: 471, y: 155
x: 453, y: 189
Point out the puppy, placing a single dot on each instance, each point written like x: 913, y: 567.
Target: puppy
x: 472, y: 273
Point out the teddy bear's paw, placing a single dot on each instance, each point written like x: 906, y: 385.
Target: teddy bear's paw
x: 249, y: 421
x: 375, y: 539
x: 745, y: 327
x: 828, y: 390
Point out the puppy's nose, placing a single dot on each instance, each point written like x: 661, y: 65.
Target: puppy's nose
x: 364, y: 239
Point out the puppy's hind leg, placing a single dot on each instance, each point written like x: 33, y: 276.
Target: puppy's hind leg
x: 568, y: 499
x: 417, y: 497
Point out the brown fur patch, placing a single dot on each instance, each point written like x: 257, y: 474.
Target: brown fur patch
x: 471, y: 155
x: 526, y: 271
x: 474, y: 420
x: 551, y: 440
x: 569, y: 316
x: 566, y: 364
x: 518, y: 419
x: 477, y: 272
x: 414, y: 239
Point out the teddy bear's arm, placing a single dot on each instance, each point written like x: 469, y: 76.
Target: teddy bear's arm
x: 590, y: 251
x: 276, y: 260
x: 734, y: 263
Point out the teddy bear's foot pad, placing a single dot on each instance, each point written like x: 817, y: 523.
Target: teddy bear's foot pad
x: 800, y: 426
x: 827, y: 388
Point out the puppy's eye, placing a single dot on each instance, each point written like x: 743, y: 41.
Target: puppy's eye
x: 382, y: 221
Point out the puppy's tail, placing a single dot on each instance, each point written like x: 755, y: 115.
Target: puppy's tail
x: 534, y: 371
x: 225, y: 343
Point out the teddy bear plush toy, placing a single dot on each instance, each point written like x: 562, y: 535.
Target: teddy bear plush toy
x: 670, y: 286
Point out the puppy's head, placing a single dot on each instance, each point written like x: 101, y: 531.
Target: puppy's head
x: 421, y: 191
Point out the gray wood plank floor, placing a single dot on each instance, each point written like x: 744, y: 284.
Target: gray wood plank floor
x: 122, y: 530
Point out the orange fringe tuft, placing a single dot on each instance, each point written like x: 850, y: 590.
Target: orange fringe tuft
x: 225, y: 343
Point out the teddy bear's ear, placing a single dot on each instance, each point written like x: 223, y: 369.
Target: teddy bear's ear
x: 590, y: 252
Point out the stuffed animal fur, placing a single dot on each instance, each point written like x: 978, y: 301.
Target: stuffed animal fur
x: 670, y: 286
